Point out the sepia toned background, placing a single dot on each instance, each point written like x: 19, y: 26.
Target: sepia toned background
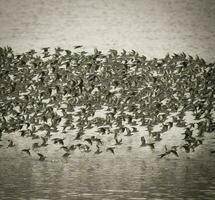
x: 151, y: 27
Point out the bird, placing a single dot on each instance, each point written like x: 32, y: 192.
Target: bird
x: 44, y: 142
x: 97, y: 140
x: 173, y: 150
x: 26, y: 151
x: 45, y: 49
x: 111, y: 149
x: 89, y: 140
x: 87, y: 148
x: 77, y: 46
x: 35, y: 145
x: 65, y: 148
x: 143, y: 141
x: 79, y: 135
x: 11, y: 144
x: 128, y: 132
x: 144, y: 144
x: 72, y: 147
x: 102, y: 130
x: 41, y: 157
x: 66, y: 155
x: 118, y: 142
x: 186, y: 147
x: 151, y: 145
x: 134, y: 129
x: 98, y: 150
x: 58, y: 141
x: 157, y: 136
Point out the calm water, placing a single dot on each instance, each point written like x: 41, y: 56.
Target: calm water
x: 150, y: 27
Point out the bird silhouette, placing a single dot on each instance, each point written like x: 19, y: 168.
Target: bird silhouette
x: 27, y: 151
x: 118, y: 142
x: 66, y: 155
x: 77, y: 46
x: 173, y: 150
x: 98, y: 150
x: 111, y: 149
x: 41, y: 157
x: 11, y: 144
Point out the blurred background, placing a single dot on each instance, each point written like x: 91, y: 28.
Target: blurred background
x: 151, y: 27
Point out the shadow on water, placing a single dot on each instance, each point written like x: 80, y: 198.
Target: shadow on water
x: 108, y: 178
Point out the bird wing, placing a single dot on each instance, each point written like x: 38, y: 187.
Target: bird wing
x: 175, y: 153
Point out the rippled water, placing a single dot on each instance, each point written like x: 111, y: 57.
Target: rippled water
x: 129, y: 177
x: 150, y: 27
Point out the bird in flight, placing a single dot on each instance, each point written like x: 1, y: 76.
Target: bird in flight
x: 77, y: 46
x: 26, y: 151
x: 42, y: 157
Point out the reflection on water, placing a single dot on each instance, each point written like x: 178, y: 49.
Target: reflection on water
x: 113, y: 178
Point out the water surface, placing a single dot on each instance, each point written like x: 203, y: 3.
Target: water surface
x: 125, y: 177
x: 150, y: 27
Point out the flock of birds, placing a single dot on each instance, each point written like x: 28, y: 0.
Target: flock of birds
x: 54, y: 98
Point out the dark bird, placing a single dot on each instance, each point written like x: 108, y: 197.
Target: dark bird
x: 45, y: 49
x: 68, y: 52
x: 77, y: 46
x: 35, y: 145
x: 144, y: 144
x: 11, y: 144
x: 58, y: 141
x: 173, y: 150
x: 188, y: 133
x: 66, y: 155
x: 128, y: 132
x: 44, y: 142
x: 157, y: 136
x: 79, y: 135
x: 98, y: 151
x: 97, y: 140
x: 151, y: 145
x: 65, y: 148
x: 170, y: 125
x: 89, y: 141
x: 102, y: 130
x: 72, y: 147
x: 118, y: 142
x: 86, y: 148
x: 111, y: 149
x: 186, y: 147
x: 134, y: 129
x: 143, y: 141
x: 42, y: 157
x: 23, y: 133
x: 26, y: 151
